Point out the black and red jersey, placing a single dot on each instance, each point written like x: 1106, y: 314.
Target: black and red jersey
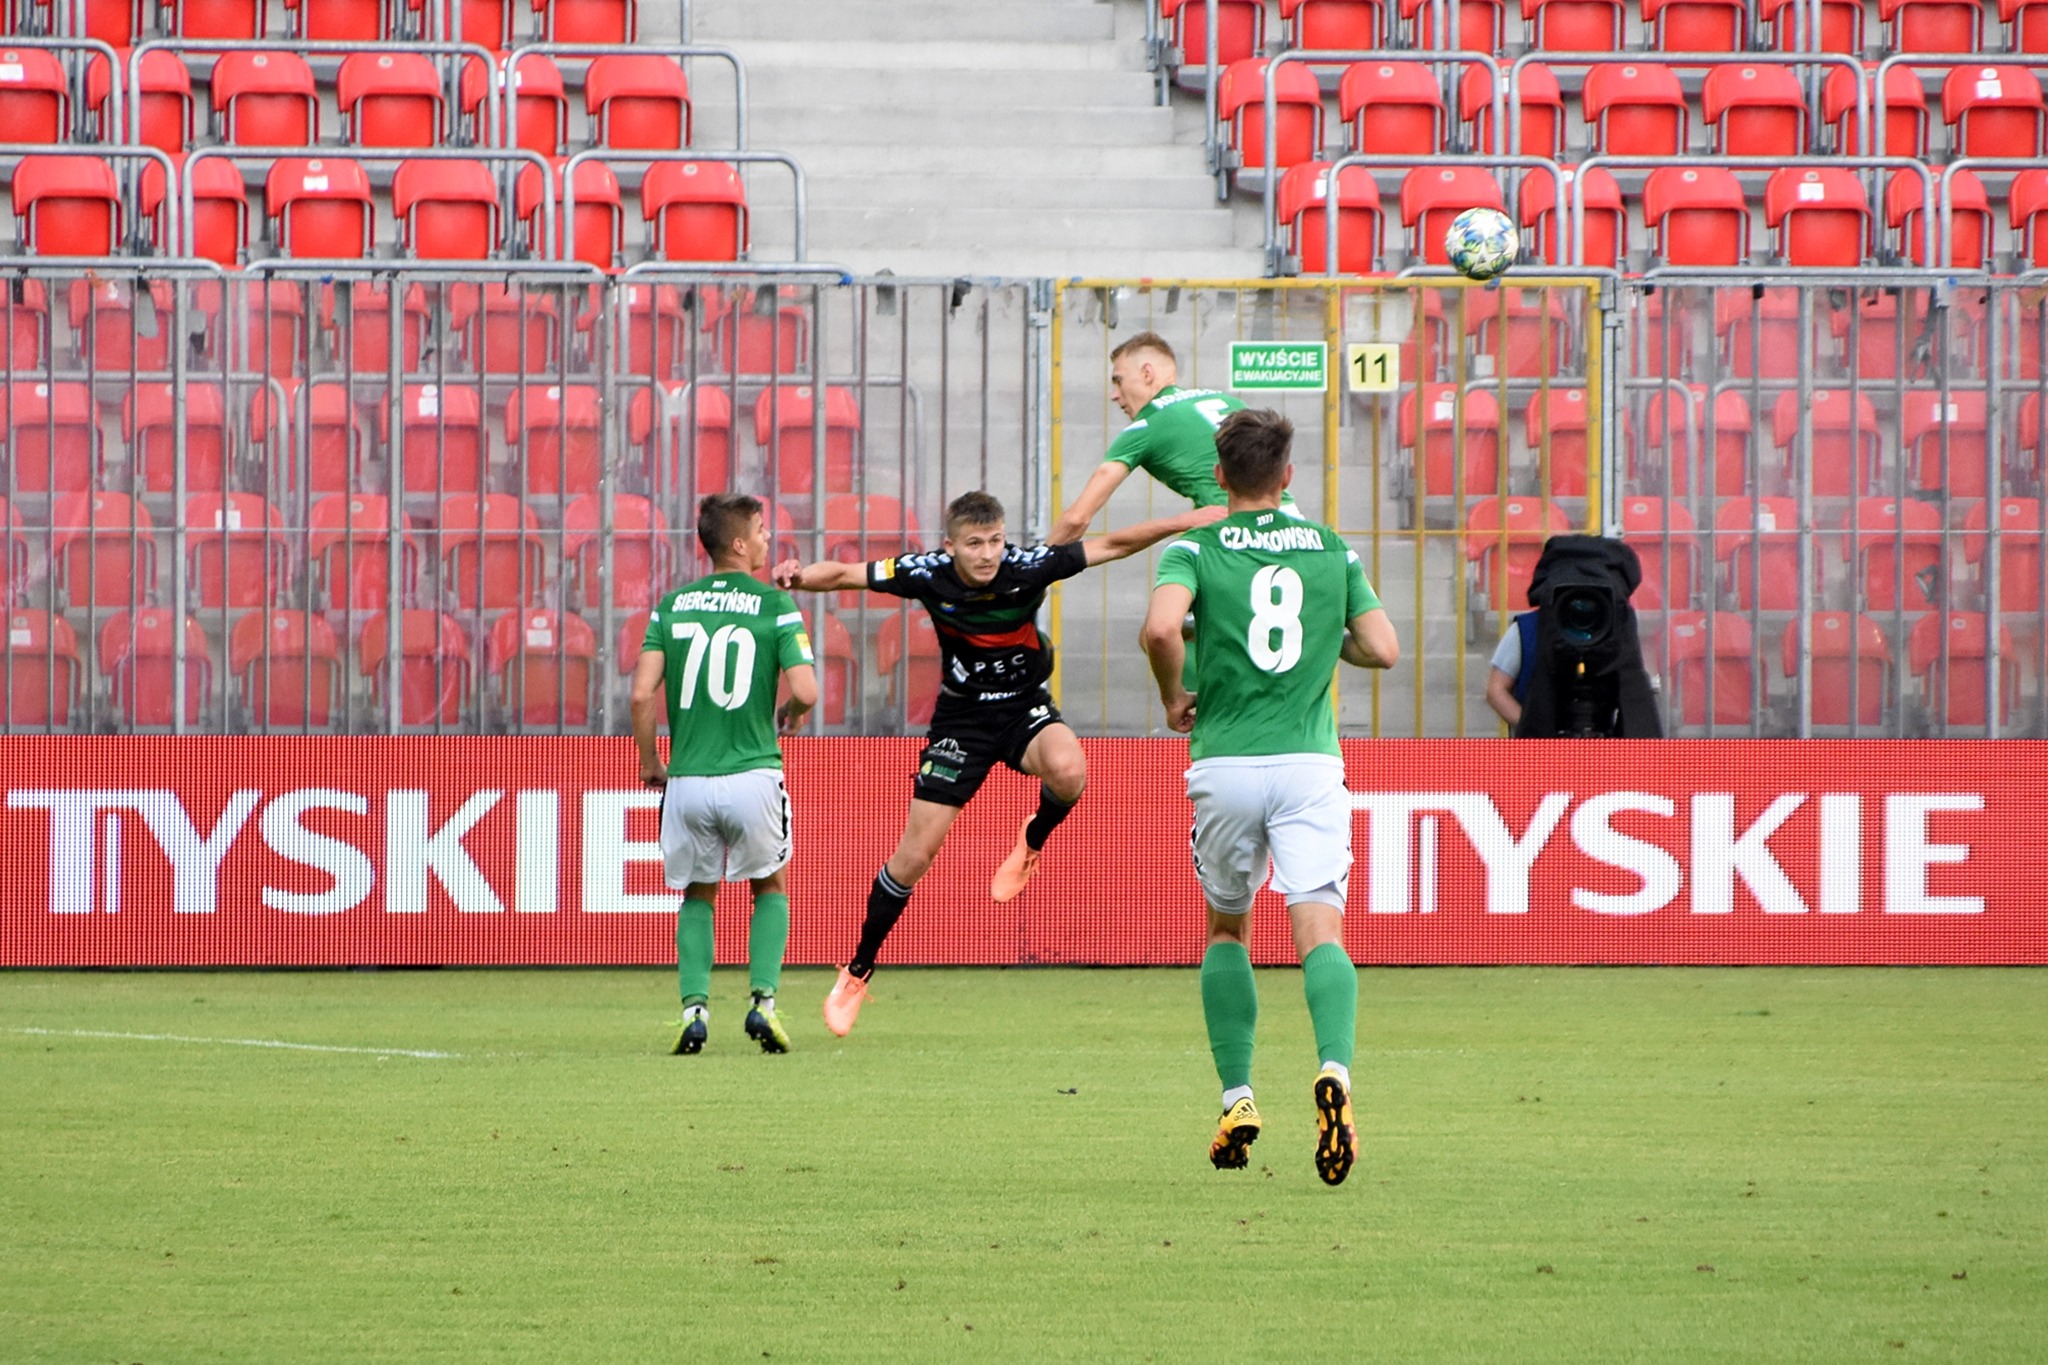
x: 989, y: 641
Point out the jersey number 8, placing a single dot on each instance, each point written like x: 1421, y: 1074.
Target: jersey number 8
x: 732, y: 663
x: 1275, y: 641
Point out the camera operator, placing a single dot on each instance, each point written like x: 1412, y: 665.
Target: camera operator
x: 1513, y: 663
x: 1588, y: 679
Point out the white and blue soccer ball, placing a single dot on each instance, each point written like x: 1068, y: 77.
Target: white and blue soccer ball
x: 1481, y: 243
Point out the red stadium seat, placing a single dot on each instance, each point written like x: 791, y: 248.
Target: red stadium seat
x: 1950, y: 653
x: 2029, y: 215
x: 150, y: 416
x: 104, y: 549
x: 1679, y: 449
x: 1897, y: 542
x: 1758, y: 336
x: 591, y: 21
x: 138, y: 652
x: 689, y: 448
x: 1822, y: 216
x: 600, y: 218
x: 113, y: 22
x: 506, y: 329
x: 1698, y: 647
x: 359, y: 326
x: 907, y: 657
x: 1932, y: 25
x: 1696, y: 215
x: 165, y: 92
x: 220, y: 211
x: 561, y: 432
x: 39, y: 669
x: 265, y: 99
x: 1697, y: 26
x: 657, y: 326
x: 1482, y: 24
x: 1331, y: 25
x: 287, y: 668
x: 110, y: 334
x: 348, y: 552
x: 838, y: 669
x: 1503, y: 537
x: 1605, y: 215
x: 1841, y: 25
x: 237, y: 551
x: 1758, y: 541
x: 1431, y: 196
x: 492, y: 552
x: 1542, y: 101
x: 442, y: 427
x: 2019, y: 553
x: 1755, y: 110
x: 1636, y: 109
x: 25, y: 323
x: 2026, y: 25
x: 334, y: 444
x: 1388, y: 108
x: 638, y: 102
x: 1649, y: 526
x: 1993, y: 111
x: 643, y: 555
x: 1559, y: 417
x: 220, y: 19
x: 1905, y: 112
x: 1432, y: 414
x: 1840, y: 431
x: 338, y: 21
x: 860, y: 528
x: 1575, y: 25
x: 53, y: 436
x: 698, y: 210
x: 446, y: 210
x: 1301, y: 202
x: 540, y: 120
x: 1925, y: 416
x: 389, y: 99
x: 1297, y: 116
x: 13, y: 556
x: 755, y: 333
x: 321, y: 206
x: 1969, y: 240
x: 486, y: 23
x: 1526, y: 331
x: 35, y: 96
x: 66, y: 205
x: 784, y: 418
x: 434, y: 669
x: 1240, y: 30
x: 1849, y: 653
x: 543, y: 664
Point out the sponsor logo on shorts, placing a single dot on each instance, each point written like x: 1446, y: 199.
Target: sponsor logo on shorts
x: 940, y: 771
x: 947, y: 747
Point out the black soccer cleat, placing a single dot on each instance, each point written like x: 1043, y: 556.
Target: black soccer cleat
x: 696, y: 1027
x: 1336, y: 1135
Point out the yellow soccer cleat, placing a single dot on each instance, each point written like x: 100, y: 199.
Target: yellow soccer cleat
x: 1336, y: 1136
x: 842, y: 1006
x: 764, y: 1026
x: 1238, y: 1129
x: 1016, y: 870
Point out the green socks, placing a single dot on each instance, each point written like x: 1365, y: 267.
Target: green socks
x: 767, y: 937
x: 693, y: 951
x: 1230, y: 1003
x: 1331, y: 984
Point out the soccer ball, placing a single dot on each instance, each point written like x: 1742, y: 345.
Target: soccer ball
x: 1481, y: 243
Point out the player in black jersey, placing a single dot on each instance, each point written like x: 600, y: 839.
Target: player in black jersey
x: 983, y: 595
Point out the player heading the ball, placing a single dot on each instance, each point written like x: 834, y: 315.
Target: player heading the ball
x: 1277, y: 601
x: 712, y: 657
x: 983, y: 595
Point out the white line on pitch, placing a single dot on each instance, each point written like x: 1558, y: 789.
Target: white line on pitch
x: 231, y: 1042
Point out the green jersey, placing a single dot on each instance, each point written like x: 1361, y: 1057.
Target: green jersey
x: 1273, y: 595
x: 726, y: 639
x: 1173, y: 438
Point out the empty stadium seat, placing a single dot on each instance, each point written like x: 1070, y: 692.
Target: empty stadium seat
x: 1821, y: 214
x: 1575, y: 25
x: 591, y: 21
x: 638, y: 102
x: 1662, y: 535
x: 138, y: 653
x: 643, y: 556
x: 1926, y: 416
x: 487, y: 23
x: 339, y: 21
x: 39, y: 669
x: 1993, y: 111
x: 446, y: 210
x: 286, y: 667
x: 252, y: 324
x: 1605, y: 216
x: 506, y: 329
x: 1758, y: 541
x: 1558, y: 417
x: 1670, y: 433
x: 1300, y: 203
x: 1846, y: 439
x: 540, y: 102
x: 445, y: 445
x: 1635, y: 109
x: 112, y: 333
x: 906, y: 653
x: 348, y: 552
x: 1431, y: 196
x: 1841, y: 25
x: 1697, y: 215
x: 35, y: 96
x: 53, y: 436
x: 1432, y: 415
x: 1932, y: 25
x: 1503, y: 537
x: 113, y: 22
x: 1898, y: 545
x: 321, y: 207
x: 1969, y: 237
x: 151, y: 413
x: 491, y: 550
x: 389, y: 99
x: 237, y: 551
x: 1759, y: 336
x: 838, y: 668
x: 1526, y: 332
x: 25, y: 323
x: 1297, y: 113
x: 657, y: 327
x: 217, y: 19
x: 435, y: 666
x: 1950, y: 653
x: 1542, y: 101
x: 685, y: 434
x: 2026, y: 25
x: 1849, y: 655
x: 66, y: 205
x: 1699, y: 648
x: 698, y: 210
x: 859, y: 528
x: 2019, y: 553
x: 753, y: 332
x: 13, y: 556
x: 560, y: 429
x: 166, y: 94
x: 1482, y: 24
x: 1905, y: 113
x: 1388, y: 108
x: 265, y: 99
x: 1755, y: 110
x: 1331, y: 25
x: 220, y: 211
x: 599, y: 215
x: 357, y: 317
x: 1240, y: 30
x: 1697, y: 25
x: 542, y: 662
x: 331, y: 457
x: 2028, y: 209
x: 784, y: 417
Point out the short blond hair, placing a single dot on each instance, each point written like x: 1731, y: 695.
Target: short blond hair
x: 1144, y: 341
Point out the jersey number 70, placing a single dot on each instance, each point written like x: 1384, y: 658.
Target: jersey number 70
x: 731, y: 676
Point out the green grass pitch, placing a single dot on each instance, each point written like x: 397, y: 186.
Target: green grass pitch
x: 1558, y: 1165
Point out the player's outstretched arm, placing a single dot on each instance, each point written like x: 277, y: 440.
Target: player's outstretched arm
x: 803, y: 695
x: 647, y: 703
x: 1128, y: 541
x: 1166, y: 651
x: 827, y: 575
x: 1081, y: 512
x: 1370, y: 641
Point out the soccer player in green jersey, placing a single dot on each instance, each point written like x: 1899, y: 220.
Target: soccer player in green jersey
x: 713, y: 653
x: 1277, y: 602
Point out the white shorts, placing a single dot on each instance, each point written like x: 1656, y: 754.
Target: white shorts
x: 1292, y: 808
x: 732, y: 828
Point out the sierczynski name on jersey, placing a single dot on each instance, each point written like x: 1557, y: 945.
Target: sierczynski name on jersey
x: 1273, y: 539
x: 727, y: 600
